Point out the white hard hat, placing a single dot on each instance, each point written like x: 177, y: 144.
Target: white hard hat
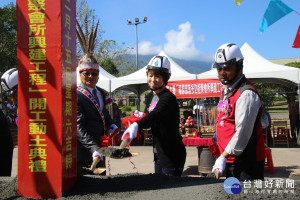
x: 9, y: 81
x: 159, y: 63
x: 226, y: 55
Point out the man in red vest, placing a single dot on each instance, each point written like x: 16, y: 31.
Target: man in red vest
x: 239, y: 131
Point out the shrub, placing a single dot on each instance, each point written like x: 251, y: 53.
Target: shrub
x: 126, y: 109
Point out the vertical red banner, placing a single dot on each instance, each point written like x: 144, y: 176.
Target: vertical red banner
x: 47, y: 97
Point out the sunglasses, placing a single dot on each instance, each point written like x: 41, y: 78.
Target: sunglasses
x: 87, y: 74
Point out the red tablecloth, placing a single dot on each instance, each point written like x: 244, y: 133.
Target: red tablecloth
x: 191, y: 141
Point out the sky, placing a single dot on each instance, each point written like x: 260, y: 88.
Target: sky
x: 194, y: 29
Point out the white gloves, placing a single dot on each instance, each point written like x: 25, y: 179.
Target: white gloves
x: 112, y: 129
x: 132, y: 131
x: 220, y: 164
x: 97, y: 154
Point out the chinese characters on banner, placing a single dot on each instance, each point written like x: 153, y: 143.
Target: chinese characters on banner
x: 269, y: 186
x: 198, y: 88
x: 47, y: 97
x: 69, y: 86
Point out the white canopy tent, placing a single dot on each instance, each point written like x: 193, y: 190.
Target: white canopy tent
x: 137, y: 81
x: 258, y: 69
x: 104, y: 79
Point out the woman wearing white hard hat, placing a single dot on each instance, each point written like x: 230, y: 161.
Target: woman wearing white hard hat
x: 162, y: 116
x: 9, y: 83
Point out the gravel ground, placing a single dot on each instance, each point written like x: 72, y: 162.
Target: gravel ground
x: 151, y: 186
x: 124, y: 183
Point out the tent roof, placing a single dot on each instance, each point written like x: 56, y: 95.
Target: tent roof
x: 137, y: 81
x: 104, y: 79
x: 259, y: 69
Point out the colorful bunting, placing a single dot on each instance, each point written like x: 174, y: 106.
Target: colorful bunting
x: 238, y: 2
x: 296, y: 43
x: 275, y: 11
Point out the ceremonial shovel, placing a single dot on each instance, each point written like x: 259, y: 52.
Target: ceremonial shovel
x: 124, y: 143
x: 217, y: 173
x: 100, y: 170
x: 112, y: 152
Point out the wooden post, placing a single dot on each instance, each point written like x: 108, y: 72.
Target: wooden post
x: 46, y: 97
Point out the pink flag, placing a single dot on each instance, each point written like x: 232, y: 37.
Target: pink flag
x: 296, y: 43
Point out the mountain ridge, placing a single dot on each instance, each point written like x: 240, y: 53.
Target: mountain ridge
x: 191, y: 66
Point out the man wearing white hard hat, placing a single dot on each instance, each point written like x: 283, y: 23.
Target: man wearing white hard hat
x: 162, y: 116
x: 9, y: 83
x: 239, y: 131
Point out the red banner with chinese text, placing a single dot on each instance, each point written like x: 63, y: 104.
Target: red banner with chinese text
x: 46, y: 97
x: 198, y: 88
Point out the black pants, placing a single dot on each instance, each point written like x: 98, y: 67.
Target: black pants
x: 6, y: 160
x: 6, y: 147
x: 246, y: 170
x: 175, y: 171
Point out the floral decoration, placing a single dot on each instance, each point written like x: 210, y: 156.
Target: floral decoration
x: 224, y: 106
x: 152, y: 106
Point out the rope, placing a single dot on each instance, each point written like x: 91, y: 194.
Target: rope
x: 108, y: 166
x: 134, y: 167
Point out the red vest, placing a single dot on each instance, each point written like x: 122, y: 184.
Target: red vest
x: 255, y: 149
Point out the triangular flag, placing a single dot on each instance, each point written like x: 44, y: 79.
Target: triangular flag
x: 238, y: 2
x: 296, y: 43
x: 276, y: 10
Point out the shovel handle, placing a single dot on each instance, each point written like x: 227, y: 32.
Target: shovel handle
x: 217, y: 173
x: 123, y: 144
x: 94, y: 164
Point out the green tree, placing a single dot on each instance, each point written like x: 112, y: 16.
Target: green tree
x: 8, y: 37
x: 269, y: 91
x: 293, y: 64
x: 109, y: 66
x: 292, y: 91
x: 118, y: 54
